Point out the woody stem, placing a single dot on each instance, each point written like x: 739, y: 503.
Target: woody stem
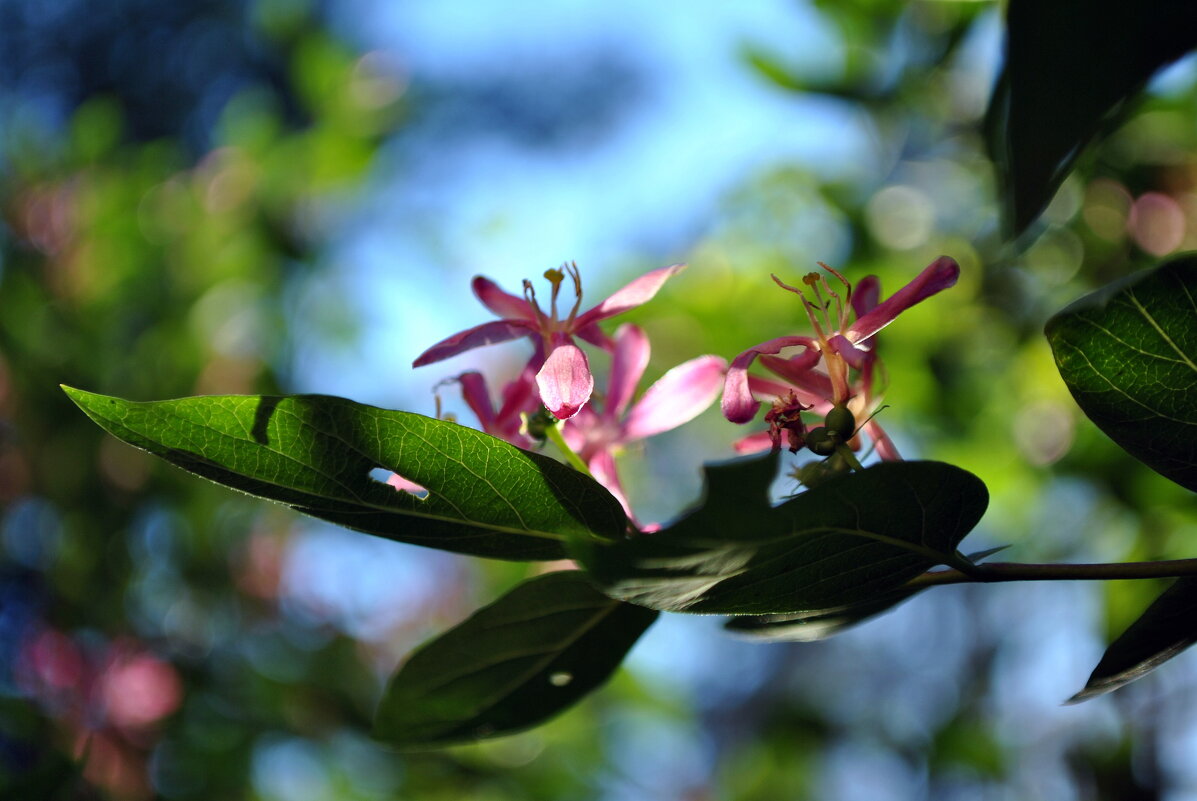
x: 992, y: 572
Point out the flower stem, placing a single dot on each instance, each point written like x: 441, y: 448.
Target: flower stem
x: 553, y: 433
x: 1014, y: 571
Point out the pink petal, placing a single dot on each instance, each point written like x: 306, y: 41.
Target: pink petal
x: 477, y: 397
x: 503, y: 304
x: 810, y: 386
x: 738, y: 404
x: 602, y: 467
x: 627, y: 367
x: 520, y: 395
x: 938, y: 276
x: 760, y: 441
x: 485, y: 334
x: 678, y: 397
x: 634, y: 294
x: 595, y: 336
x: 580, y: 431
x: 886, y: 449
x: 795, y: 368
x: 865, y: 295
x: 565, y: 381
x: 854, y: 356
x: 767, y: 388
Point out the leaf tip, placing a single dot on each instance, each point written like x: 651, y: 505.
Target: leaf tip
x: 1089, y: 693
x: 78, y: 396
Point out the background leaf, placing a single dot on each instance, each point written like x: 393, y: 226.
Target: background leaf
x: 513, y: 664
x: 847, y: 542
x: 315, y: 453
x: 1168, y: 627
x: 1128, y: 353
x: 1070, y: 64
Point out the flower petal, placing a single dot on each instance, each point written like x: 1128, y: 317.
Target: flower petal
x: 565, y: 381
x: 766, y: 389
x: 866, y: 295
x: 811, y: 386
x: 760, y: 441
x: 485, y: 334
x: 634, y: 294
x: 678, y: 397
x: 503, y: 304
x: 520, y: 395
x: 886, y: 449
x: 602, y: 468
x: 856, y: 357
x: 477, y: 397
x: 938, y: 276
x: 738, y: 404
x: 594, y: 335
x: 627, y: 367
x: 579, y: 432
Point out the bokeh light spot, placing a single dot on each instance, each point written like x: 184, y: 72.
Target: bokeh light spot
x: 1157, y: 223
x: 900, y: 217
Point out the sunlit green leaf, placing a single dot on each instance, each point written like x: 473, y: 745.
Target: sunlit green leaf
x: 1168, y: 627
x: 1129, y: 355
x: 513, y: 664
x: 1070, y: 65
x: 849, y: 541
x: 315, y: 454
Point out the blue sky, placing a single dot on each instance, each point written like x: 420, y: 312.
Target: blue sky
x: 631, y: 195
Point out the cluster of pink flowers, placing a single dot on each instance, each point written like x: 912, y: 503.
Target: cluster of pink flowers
x: 558, y: 377
x: 561, y: 368
x: 837, y: 367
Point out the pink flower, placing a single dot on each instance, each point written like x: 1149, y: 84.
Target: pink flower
x: 562, y: 371
x: 507, y: 422
x: 678, y: 397
x: 836, y: 366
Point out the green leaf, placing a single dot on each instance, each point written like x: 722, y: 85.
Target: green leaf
x: 1070, y: 67
x: 819, y: 624
x: 847, y: 542
x: 513, y: 664
x: 315, y: 453
x: 1128, y: 353
x: 816, y: 624
x: 1168, y: 627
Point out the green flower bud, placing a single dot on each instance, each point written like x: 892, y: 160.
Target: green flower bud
x: 842, y: 422
x: 822, y: 441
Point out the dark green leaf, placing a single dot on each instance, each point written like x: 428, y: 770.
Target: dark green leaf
x: 819, y: 624
x: 315, y: 453
x: 849, y: 541
x: 1128, y: 353
x: 513, y: 664
x: 816, y: 624
x: 1167, y: 627
x: 1070, y: 66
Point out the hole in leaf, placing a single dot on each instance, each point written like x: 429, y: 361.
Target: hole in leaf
x: 560, y: 679
x: 393, y: 479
